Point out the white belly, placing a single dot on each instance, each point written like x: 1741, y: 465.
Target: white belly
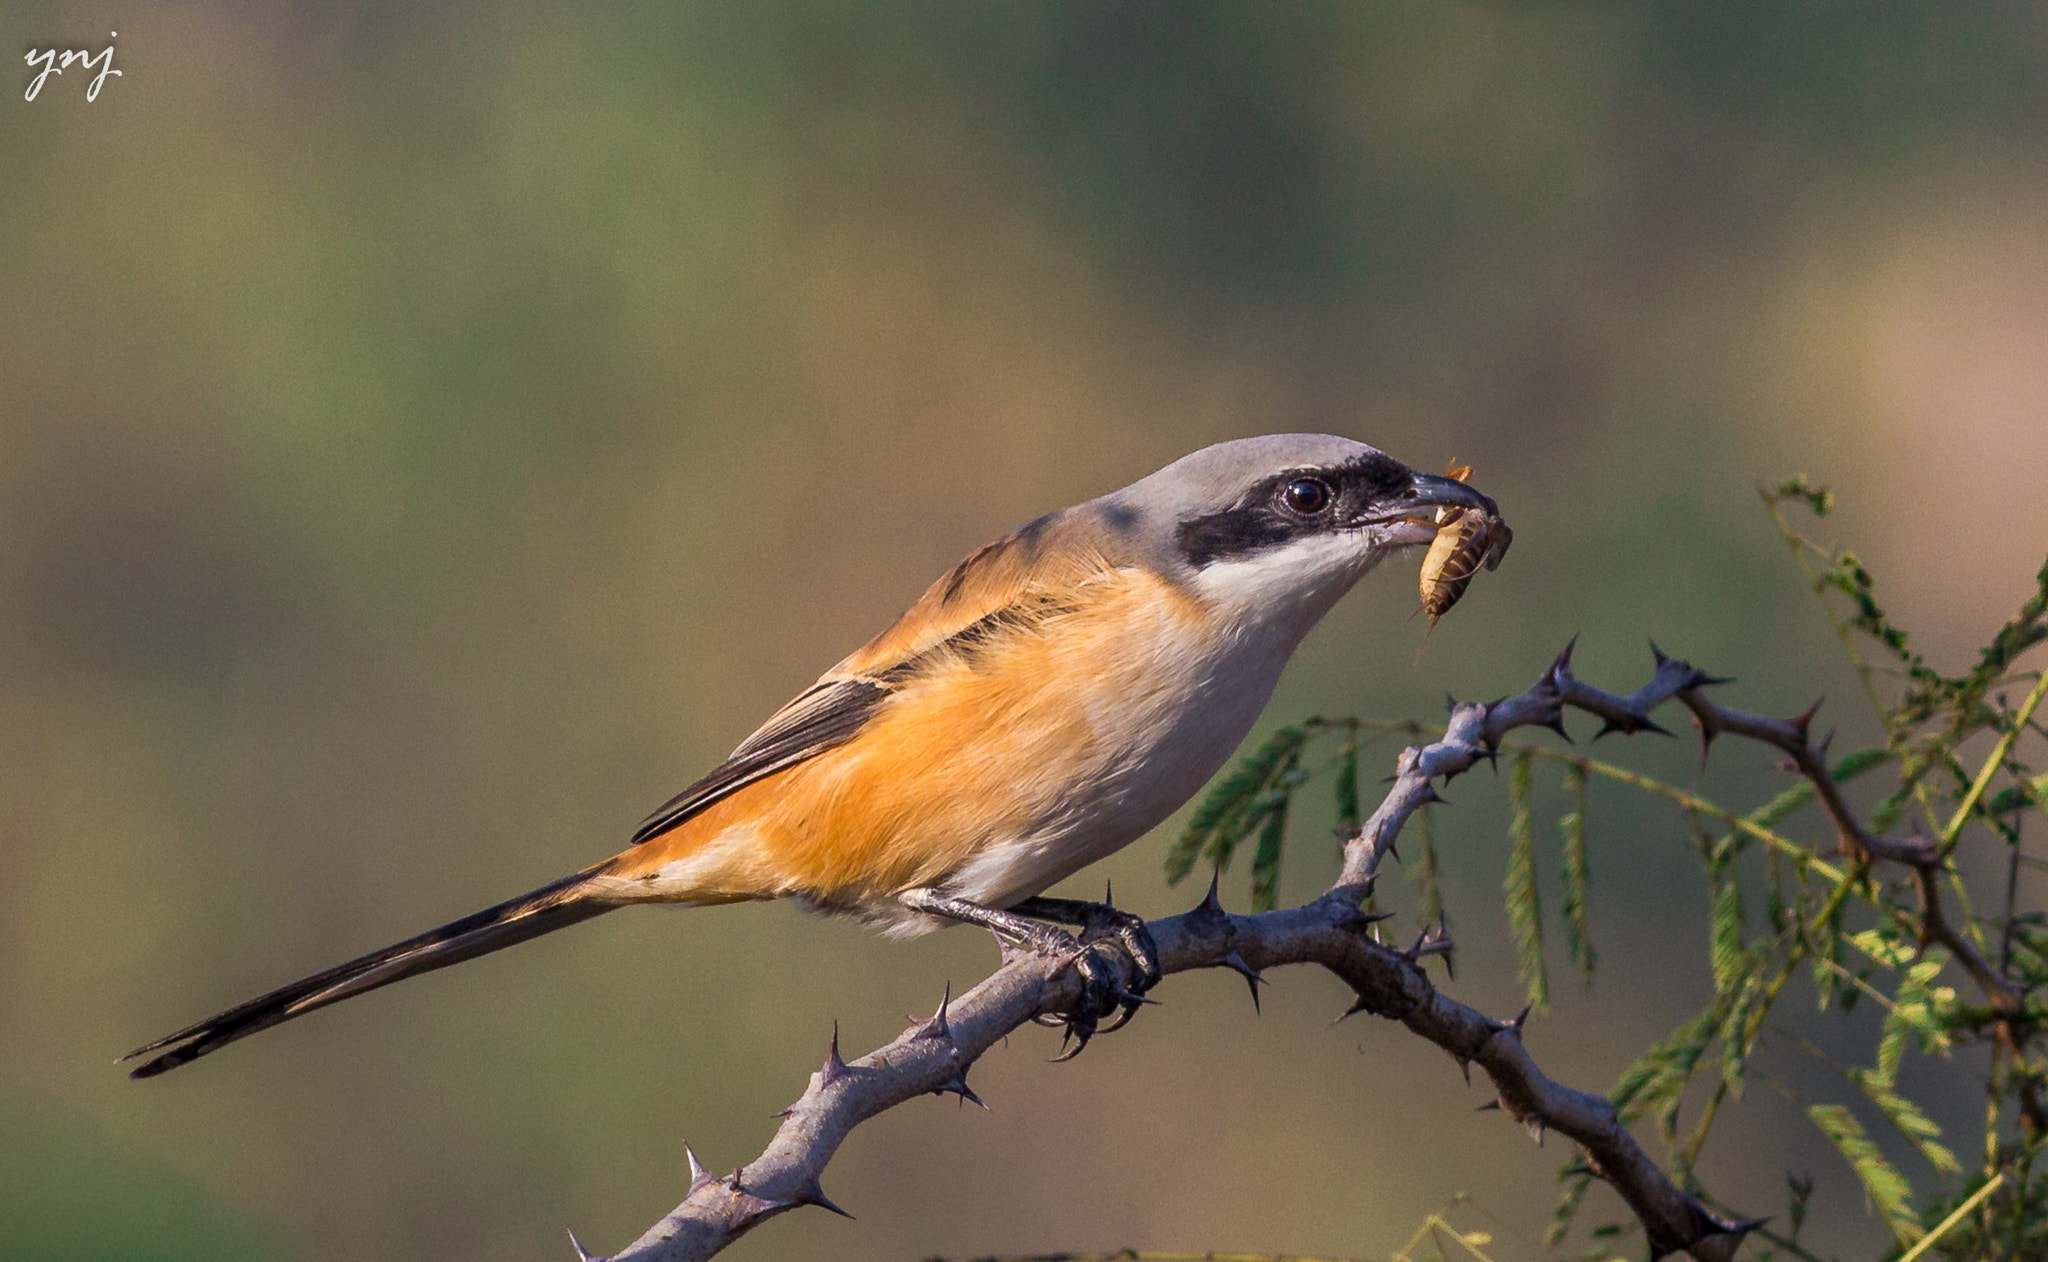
x: 1161, y: 733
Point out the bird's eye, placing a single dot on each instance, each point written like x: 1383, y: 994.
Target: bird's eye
x: 1307, y: 496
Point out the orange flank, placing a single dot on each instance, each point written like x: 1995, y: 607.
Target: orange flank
x: 925, y: 789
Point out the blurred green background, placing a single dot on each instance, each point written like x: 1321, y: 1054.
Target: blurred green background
x: 430, y: 435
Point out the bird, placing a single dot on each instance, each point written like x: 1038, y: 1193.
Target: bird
x: 1047, y: 701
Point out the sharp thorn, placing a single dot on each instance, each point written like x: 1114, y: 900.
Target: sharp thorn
x: 1535, y: 1130
x: 1355, y: 918
x: 1235, y: 962
x: 1713, y: 681
x: 1394, y: 848
x: 1747, y: 1225
x: 835, y: 1068
x: 582, y: 1254
x: 1564, y: 659
x: 1557, y: 725
x: 1108, y: 894
x: 1521, y: 1019
x: 1430, y: 797
x: 957, y: 1085
x: 1211, y: 905
x: 815, y: 1195
x: 936, y: 1027
x: 1489, y: 1106
x: 1450, y: 702
x: 1658, y: 653
x: 1802, y: 720
x: 1358, y: 1005
x: 1464, y: 1066
x: 1651, y: 725
x: 699, y: 1176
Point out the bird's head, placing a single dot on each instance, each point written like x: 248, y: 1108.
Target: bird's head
x: 1271, y: 531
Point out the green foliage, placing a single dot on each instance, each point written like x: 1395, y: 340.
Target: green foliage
x: 1576, y: 1179
x: 1571, y: 826
x: 1348, y: 817
x: 1427, y: 873
x: 1915, y: 1125
x: 1654, y: 1084
x: 1855, y: 933
x: 1730, y: 958
x: 1888, y: 1191
x: 1525, y: 908
x: 2008, y: 1223
x: 1266, y: 859
x: 1238, y: 804
x: 1818, y: 498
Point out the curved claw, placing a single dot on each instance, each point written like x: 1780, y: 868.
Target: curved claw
x: 1129, y: 1009
x: 1105, y: 994
x: 1114, y: 954
x: 1133, y: 933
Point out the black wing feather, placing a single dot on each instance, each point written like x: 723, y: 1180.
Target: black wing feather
x: 832, y: 711
x: 826, y: 716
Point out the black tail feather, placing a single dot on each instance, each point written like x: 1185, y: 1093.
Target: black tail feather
x: 546, y: 909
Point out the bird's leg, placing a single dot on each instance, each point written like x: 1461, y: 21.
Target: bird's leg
x: 1100, y: 920
x: 1107, y: 988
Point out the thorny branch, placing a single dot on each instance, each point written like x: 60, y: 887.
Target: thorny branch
x: 933, y: 1056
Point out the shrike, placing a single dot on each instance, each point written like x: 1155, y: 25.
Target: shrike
x: 1049, y: 700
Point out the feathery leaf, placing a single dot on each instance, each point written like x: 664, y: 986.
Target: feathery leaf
x: 1221, y: 820
x: 1658, y: 1077
x: 1348, y: 816
x: 1578, y: 937
x: 1426, y: 873
x: 1731, y: 958
x: 1887, y: 1190
x: 1525, y: 911
x: 1266, y: 859
x: 1915, y: 1125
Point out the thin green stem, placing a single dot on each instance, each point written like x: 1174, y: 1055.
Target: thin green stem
x: 1843, y: 631
x: 1962, y: 1211
x: 1992, y: 764
x: 1690, y: 801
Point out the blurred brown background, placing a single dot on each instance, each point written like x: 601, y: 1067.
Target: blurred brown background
x: 430, y: 435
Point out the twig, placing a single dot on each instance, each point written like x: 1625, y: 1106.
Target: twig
x: 933, y: 1055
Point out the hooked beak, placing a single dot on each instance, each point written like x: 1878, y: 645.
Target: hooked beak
x: 1423, y: 496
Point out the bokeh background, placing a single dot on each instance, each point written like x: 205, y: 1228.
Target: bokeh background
x: 432, y: 434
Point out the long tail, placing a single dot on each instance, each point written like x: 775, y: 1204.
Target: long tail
x: 551, y: 907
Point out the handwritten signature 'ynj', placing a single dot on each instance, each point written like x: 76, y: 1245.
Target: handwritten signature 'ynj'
x: 54, y: 61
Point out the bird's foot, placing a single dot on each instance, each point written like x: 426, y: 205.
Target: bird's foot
x: 1114, y: 954
x: 1117, y: 961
